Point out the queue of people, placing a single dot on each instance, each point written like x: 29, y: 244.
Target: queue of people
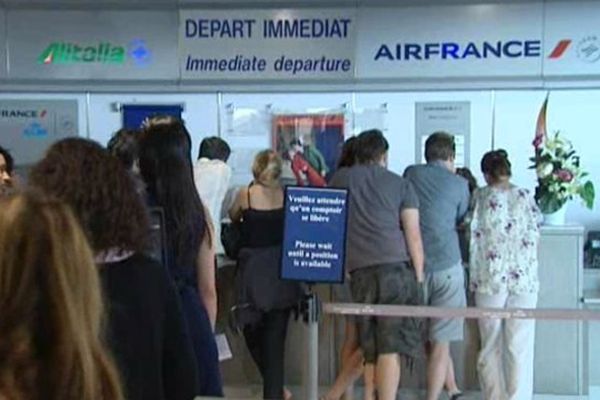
x: 79, y: 290
x: 427, y: 215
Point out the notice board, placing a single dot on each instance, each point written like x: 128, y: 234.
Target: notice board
x: 314, y: 244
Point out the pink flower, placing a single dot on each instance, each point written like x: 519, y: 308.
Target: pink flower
x: 564, y: 175
x: 537, y: 142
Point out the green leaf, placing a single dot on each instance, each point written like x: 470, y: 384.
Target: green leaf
x: 588, y: 194
x: 548, y: 201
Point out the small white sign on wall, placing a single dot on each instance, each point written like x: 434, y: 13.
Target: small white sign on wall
x: 453, y: 117
x: 29, y: 127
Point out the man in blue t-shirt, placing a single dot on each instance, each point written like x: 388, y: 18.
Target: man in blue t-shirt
x: 443, y: 203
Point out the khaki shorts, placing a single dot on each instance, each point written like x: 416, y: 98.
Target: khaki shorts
x: 387, y: 284
x: 446, y: 288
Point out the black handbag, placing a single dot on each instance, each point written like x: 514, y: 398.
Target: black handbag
x: 231, y: 238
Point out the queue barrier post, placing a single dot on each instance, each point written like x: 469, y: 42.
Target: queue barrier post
x: 311, y: 312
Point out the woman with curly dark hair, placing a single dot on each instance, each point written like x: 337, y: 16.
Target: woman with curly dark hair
x: 166, y: 167
x: 146, y: 325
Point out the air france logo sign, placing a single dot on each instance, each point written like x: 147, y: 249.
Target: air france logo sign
x: 588, y: 50
x: 459, y: 51
x: 22, y: 113
x: 96, y: 53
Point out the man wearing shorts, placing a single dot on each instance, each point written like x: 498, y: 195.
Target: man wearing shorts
x: 384, y: 257
x: 443, y: 203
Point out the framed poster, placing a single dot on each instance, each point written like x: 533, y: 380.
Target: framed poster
x: 316, y: 139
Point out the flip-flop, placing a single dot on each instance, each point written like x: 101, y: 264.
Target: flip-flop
x: 457, y: 395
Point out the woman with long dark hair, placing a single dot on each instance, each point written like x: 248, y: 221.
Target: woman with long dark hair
x: 146, y: 326
x: 166, y: 167
x: 51, y: 307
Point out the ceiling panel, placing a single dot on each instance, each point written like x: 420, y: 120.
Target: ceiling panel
x: 229, y: 3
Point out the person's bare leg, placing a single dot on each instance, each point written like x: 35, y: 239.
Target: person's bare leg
x: 437, y: 369
x: 369, y: 378
x: 351, y: 365
x: 450, y: 382
x: 349, y: 361
x: 387, y: 376
x: 287, y: 395
x: 350, y: 372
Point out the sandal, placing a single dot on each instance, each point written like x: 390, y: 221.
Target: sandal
x: 456, y: 396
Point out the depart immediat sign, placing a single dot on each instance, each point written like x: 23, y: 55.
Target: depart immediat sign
x: 93, y: 45
x: 267, y: 44
x: 314, y: 244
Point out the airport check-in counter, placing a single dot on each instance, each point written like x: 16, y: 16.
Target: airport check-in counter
x: 561, y: 363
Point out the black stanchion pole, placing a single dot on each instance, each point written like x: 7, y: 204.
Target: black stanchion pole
x: 311, y: 312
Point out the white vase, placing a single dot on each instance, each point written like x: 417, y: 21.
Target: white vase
x: 556, y: 218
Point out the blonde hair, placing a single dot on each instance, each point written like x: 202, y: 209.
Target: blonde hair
x: 267, y: 167
x: 50, y: 306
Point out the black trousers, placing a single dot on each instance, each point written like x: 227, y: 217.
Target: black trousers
x: 266, y: 342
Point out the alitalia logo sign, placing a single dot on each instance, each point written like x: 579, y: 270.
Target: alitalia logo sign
x: 98, y: 53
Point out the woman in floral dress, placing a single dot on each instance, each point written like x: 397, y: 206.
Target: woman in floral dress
x: 503, y: 250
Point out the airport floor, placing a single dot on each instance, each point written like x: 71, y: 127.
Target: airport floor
x: 253, y: 393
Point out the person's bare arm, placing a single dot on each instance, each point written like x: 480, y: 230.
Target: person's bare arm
x: 412, y: 231
x: 235, y: 212
x: 206, y: 273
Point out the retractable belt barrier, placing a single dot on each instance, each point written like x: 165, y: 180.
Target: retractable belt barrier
x: 380, y: 310
x: 312, y: 310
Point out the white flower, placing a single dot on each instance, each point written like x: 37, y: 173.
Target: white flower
x: 543, y: 170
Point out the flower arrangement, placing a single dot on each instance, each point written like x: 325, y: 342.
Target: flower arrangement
x: 560, y: 177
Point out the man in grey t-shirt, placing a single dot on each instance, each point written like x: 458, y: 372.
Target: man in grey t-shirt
x: 383, y: 240
x: 443, y: 203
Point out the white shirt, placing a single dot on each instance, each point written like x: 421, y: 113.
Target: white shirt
x: 212, y: 180
x: 504, y: 242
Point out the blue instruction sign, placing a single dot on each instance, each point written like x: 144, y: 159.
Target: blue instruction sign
x: 314, y: 243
